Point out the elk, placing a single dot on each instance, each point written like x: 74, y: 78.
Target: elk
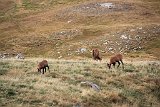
x: 42, y: 65
x: 116, y: 58
x: 95, y: 54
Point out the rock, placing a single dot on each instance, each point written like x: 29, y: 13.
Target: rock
x: 124, y: 37
x: 94, y: 86
x: 19, y: 56
x: 69, y: 21
x: 59, y: 57
x: 105, y: 43
x: 132, y: 30
x: 107, y: 5
x: 82, y: 50
x: 110, y: 49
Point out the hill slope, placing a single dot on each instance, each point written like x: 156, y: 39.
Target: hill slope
x: 62, y: 28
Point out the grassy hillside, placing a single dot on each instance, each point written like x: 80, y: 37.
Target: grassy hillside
x: 61, y: 28
x: 136, y: 85
x: 65, y: 32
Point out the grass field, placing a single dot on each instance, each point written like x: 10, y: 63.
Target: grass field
x: 137, y: 85
x: 65, y: 32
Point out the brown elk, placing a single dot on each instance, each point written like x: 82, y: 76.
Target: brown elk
x: 42, y: 65
x: 116, y: 58
x: 95, y: 54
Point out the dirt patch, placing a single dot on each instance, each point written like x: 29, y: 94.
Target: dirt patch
x: 65, y: 34
x: 6, y: 5
x: 96, y: 8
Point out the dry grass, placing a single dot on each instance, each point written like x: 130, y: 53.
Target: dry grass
x: 22, y: 85
x: 28, y: 26
x: 31, y: 27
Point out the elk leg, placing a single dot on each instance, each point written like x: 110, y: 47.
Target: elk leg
x: 43, y: 70
x: 39, y: 70
x: 118, y: 64
x: 122, y: 64
x: 99, y: 58
x: 114, y: 65
x: 48, y: 68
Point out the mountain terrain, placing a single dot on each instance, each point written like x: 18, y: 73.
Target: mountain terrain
x: 72, y: 28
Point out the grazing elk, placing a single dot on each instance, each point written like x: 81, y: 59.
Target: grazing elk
x: 95, y: 54
x: 42, y: 65
x: 117, y: 58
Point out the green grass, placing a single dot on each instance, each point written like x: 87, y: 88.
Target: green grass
x: 5, y: 67
x: 23, y: 85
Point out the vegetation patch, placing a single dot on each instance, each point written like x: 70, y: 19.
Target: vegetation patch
x: 70, y: 29
x: 130, y: 68
x: 5, y: 67
x: 64, y: 84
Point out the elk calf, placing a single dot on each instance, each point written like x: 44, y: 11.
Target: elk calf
x: 117, y: 58
x: 42, y: 65
x: 95, y: 54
